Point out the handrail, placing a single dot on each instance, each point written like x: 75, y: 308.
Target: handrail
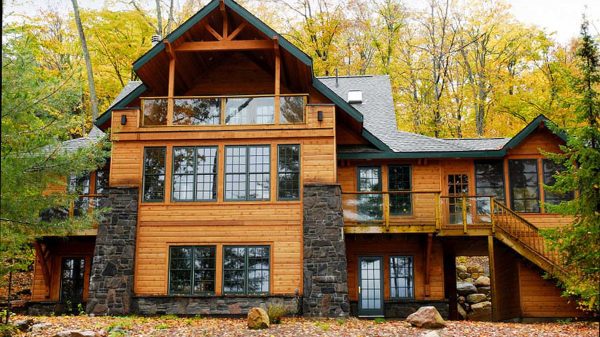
x: 505, y: 208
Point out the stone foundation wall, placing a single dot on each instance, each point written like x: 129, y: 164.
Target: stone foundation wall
x: 224, y: 305
x: 397, y: 309
x: 111, y: 277
x: 325, y: 269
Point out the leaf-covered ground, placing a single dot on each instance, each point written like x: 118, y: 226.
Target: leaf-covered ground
x: 297, y: 327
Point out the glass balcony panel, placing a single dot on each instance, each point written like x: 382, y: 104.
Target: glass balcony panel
x: 249, y: 110
x: 291, y: 109
x: 363, y: 207
x: 154, y: 111
x: 196, y: 111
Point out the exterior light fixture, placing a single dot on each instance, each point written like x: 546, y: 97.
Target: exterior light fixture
x: 320, y: 116
x: 123, y: 119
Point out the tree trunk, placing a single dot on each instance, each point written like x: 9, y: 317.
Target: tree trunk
x: 159, y: 27
x: 88, y: 62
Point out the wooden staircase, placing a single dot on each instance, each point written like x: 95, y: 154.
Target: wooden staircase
x: 524, y: 238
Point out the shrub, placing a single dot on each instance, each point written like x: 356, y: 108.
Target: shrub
x: 275, y: 312
x: 7, y: 330
x: 379, y: 320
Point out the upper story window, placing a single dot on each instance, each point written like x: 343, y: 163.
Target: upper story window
x: 195, y: 173
x: 551, y: 168
x: 247, y: 172
x: 399, y: 180
x: 524, y: 188
x: 288, y: 172
x: 250, y: 110
x: 370, y: 206
x: 154, y: 173
x: 81, y: 186
x: 489, y: 181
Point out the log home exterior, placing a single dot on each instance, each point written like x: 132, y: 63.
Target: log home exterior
x: 237, y: 178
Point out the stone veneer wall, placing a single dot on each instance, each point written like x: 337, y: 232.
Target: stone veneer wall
x: 325, y: 269
x: 402, y: 309
x: 111, y: 277
x: 210, y: 305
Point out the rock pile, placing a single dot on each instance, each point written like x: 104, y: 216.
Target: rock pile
x: 473, y: 291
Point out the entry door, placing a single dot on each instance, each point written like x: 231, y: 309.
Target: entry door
x: 370, y: 286
x: 458, y: 185
x: 71, y: 283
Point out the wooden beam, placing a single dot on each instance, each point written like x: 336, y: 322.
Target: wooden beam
x: 237, y: 31
x: 171, y: 90
x: 225, y: 19
x: 493, y: 290
x: 225, y: 45
x: 428, y: 266
x: 214, y: 33
x: 40, y: 253
x: 169, y: 49
x: 277, y: 78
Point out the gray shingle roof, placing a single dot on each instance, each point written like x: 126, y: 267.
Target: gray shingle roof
x: 380, y: 119
x: 78, y: 143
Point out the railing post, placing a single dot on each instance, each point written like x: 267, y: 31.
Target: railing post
x: 386, y: 211
x: 492, y: 219
x: 71, y: 209
x: 464, y: 213
x: 438, y: 220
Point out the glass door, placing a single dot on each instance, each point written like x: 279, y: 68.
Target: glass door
x: 370, y: 286
x: 458, y: 185
x: 71, y: 283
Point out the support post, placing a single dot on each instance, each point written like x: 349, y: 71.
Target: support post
x: 491, y: 259
x: 492, y: 220
x: 438, y: 222
x: 171, y: 90
x: 277, y: 79
x: 428, y: 265
x: 386, y: 211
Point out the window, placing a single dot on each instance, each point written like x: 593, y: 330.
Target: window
x: 192, y: 270
x: 246, y: 270
x: 288, y: 172
x: 550, y: 169
x: 154, y: 173
x: 401, y: 277
x: 81, y: 186
x: 291, y: 109
x: 489, y: 180
x: 197, y: 111
x: 102, y: 180
x: 195, y: 173
x: 247, y: 172
x: 524, y: 189
x: 399, y: 180
x: 370, y: 206
x: 250, y: 110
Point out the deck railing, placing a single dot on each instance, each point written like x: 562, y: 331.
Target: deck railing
x: 85, y: 204
x: 223, y: 110
x: 428, y: 208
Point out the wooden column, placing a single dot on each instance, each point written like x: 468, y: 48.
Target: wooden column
x: 277, y: 79
x: 171, y: 91
x: 491, y: 259
x: 427, y: 282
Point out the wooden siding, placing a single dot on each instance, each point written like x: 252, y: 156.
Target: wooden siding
x: 540, y: 297
x: 397, y: 245
x: 219, y: 223
x: 506, y: 278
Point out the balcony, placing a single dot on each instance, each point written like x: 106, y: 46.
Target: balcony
x: 223, y: 110
x: 417, y: 212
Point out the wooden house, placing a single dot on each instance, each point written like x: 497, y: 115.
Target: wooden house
x: 237, y: 178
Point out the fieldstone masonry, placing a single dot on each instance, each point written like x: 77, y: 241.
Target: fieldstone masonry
x: 111, y: 278
x: 325, y: 272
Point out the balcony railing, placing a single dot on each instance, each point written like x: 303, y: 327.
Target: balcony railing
x: 86, y: 203
x: 423, y: 208
x: 223, y: 110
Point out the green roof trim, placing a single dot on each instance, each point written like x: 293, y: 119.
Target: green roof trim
x: 121, y: 104
x: 530, y: 128
x: 375, y: 141
x: 336, y: 99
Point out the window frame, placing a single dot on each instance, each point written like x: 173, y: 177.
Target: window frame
x: 412, y: 276
x: 245, y: 292
x: 195, y: 174
x: 299, y: 172
x: 144, y: 175
x: 538, y: 190
x: 410, y: 182
x: 192, y: 271
x: 247, y: 172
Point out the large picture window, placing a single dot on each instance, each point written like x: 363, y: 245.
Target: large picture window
x: 401, y: 277
x: 550, y: 169
x: 370, y: 206
x: 246, y: 270
x: 288, y: 172
x: 195, y: 173
x: 247, y: 172
x: 154, y: 173
x: 399, y: 181
x: 192, y: 270
x: 489, y: 181
x: 524, y: 186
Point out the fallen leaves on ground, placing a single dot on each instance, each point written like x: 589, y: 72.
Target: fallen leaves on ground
x: 298, y: 327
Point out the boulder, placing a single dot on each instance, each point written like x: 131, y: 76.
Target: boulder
x: 426, y: 317
x: 465, y: 288
x: 77, y: 333
x: 463, y: 275
x: 482, y: 281
x: 461, y: 299
x: 461, y: 312
x: 476, y: 298
x: 461, y: 268
x: 258, y: 319
x: 468, y: 280
x: 475, y: 275
x: 481, y: 311
x: 475, y: 269
x: 484, y: 290
x: 23, y: 324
